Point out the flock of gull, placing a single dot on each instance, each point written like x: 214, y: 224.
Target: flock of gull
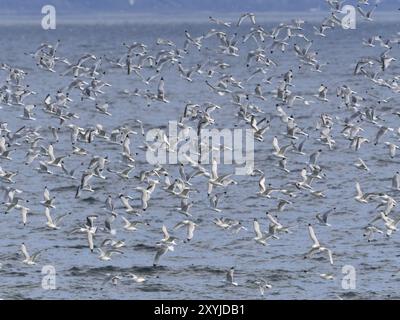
x: 272, y: 100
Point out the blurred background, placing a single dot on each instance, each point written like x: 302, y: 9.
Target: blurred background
x: 24, y: 7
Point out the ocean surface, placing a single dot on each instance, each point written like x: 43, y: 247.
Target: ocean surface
x: 197, y: 269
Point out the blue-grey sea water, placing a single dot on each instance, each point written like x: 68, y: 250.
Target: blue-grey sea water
x: 196, y: 270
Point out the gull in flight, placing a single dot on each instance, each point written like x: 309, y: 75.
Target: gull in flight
x: 216, y: 180
x: 275, y: 226
x: 323, y: 218
x: 262, y: 285
x: 102, y: 108
x: 53, y: 161
x: 298, y: 148
x: 167, y: 238
x: 146, y: 193
x: 305, y: 182
x: 370, y: 231
x: 367, y: 14
x: 390, y: 224
x: 114, y: 244
x: 90, y: 229
x: 392, y: 149
x: 29, y: 260
x: 24, y: 214
x: 185, y: 207
x: 124, y: 174
x: 131, y: 225
x: 220, y: 22
x: 214, y: 202
x: 190, y: 228
x: 322, y: 92
x: 53, y: 224
x: 162, y: 248
x: 260, y: 237
x: 362, y: 197
x: 47, y: 202
x: 43, y: 168
x: 316, y: 247
x: 360, y: 164
x: 264, y: 191
x: 382, y: 130
x: 106, y: 255
x: 125, y: 202
x: 279, y: 152
x: 244, y: 16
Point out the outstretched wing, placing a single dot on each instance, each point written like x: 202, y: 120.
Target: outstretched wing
x: 24, y: 251
x: 48, y: 216
x: 214, y: 169
x: 257, y: 228
x: 46, y: 194
x: 165, y: 231
x: 313, y: 236
x: 330, y: 256
x: 358, y: 188
x: 275, y: 144
x: 190, y: 231
x: 261, y: 184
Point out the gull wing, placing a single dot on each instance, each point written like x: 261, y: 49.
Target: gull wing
x: 214, y: 168
x: 48, y: 216
x: 261, y: 184
x: 50, y: 152
x: 179, y: 225
x: 165, y: 231
x: 145, y: 196
x: 125, y: 202
x: 330, y: 256
x: 90, y: 240
x: 253, y: 19
x: 325, y: 215
x: 313, y: 236
x: 284, y: 148
x: 275, y: 144
x: 371, y: 11
x: 361, y: 11
x: 303, y: 174
x: 190, y: 230
x: 110, y: 252
x: 24, y: 251
x: 127, y: 222
x: 35, y: 256
x: 126, y: 171
x: 257, y: 228
x: 273, y: 220
x: 358, y: 189
x: 60, y: 218
x: 242, y: 17
x: 46, y: 194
